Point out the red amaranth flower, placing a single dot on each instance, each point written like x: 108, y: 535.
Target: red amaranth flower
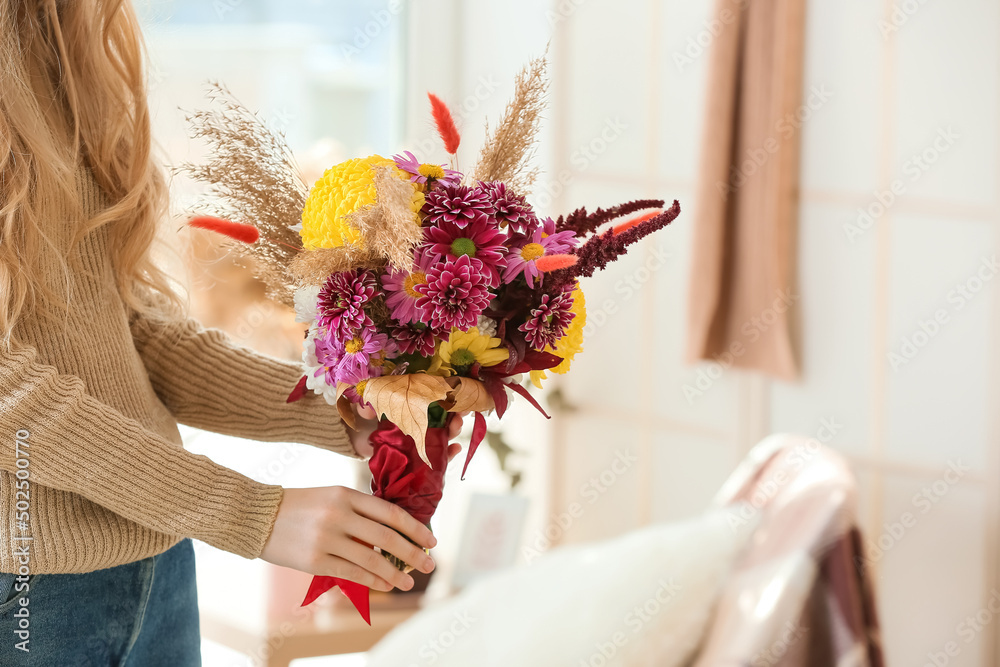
x: 548, y: 322
x: 455, y: 294
x: 342, y: 300
x: 457, y: 204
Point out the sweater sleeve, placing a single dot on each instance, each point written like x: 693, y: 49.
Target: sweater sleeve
x: 78, y: 444
x: 208, y: 382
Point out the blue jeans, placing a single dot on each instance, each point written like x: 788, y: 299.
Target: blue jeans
x: 141, y: 614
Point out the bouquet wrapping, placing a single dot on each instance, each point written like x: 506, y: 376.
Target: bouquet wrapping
x: 427, y: 291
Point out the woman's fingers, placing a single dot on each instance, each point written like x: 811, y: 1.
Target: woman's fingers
x: 376, y: 564
x: 393, y: 516
x: 455, y: 425
x: 389, y: 540
x: 365, y: 411
x: 335, y: 566
x: 454, y: 449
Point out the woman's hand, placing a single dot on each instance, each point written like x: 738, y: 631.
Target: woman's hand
x: 366, y: 421
x: 326, y: 531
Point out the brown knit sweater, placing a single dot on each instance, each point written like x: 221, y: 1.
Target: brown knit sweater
x: 100, y: 394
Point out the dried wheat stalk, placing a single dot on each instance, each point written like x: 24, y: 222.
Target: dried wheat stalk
x: 252, y: 178
x: 315, y: 266
x: 507, y: 153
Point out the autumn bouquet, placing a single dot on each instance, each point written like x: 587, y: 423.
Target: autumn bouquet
x: 427, y: 291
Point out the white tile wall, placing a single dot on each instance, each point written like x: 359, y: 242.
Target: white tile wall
x: 947, y: 67
x: 836, y: 314
x: 853, y: 77
x: 938, y: 402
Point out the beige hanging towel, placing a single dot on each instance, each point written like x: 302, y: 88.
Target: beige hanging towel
x: 742, y: 293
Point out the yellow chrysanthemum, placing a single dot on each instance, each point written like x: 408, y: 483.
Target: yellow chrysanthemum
x: 342, y: 190
x: 571, y: 343
x: 464, y: 348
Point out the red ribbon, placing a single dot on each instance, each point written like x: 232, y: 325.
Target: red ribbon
x: 402, y: 478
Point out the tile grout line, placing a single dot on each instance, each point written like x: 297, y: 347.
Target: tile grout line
x: 649, y: 294
x: 991, y: 654
x: 876, y: 485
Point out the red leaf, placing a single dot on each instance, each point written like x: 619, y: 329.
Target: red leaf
x: 234, y: 230
x: 356, y: 593
x: 478, y: 433
x: 499, y: 395
x: 527, y: 395
x: 298, y: 392
x: 445, y: 123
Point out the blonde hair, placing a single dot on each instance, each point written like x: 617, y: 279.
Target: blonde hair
x: 74, y: 94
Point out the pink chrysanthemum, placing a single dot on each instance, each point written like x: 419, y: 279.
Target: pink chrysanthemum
x: 455, y: 294
x: 509, y: 208
x: 415, y: 338
x: 422, y: 173
x: 549, y: 321
x: 342, y: 300
x: 328, y: 355
x: 480, y: 240
x: 401, y: 295
x: 522, y: 257
x: 359, y: 354
x: 457, y: 204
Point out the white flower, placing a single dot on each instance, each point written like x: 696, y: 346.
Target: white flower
x: 316, y: 381
x: 305, y: 303
x: 486, y: 326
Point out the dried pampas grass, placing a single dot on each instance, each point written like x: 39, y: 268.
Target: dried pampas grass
x: 390, y: 228
x: 508, y: 150
x: 315, y: 266
x: 252, y: 178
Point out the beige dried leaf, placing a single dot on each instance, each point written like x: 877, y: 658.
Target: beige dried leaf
x: 344, y: 406
x: 467, y: 395
x: 404, y: 400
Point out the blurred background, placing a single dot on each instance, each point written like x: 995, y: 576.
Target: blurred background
x: 894, y: 306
